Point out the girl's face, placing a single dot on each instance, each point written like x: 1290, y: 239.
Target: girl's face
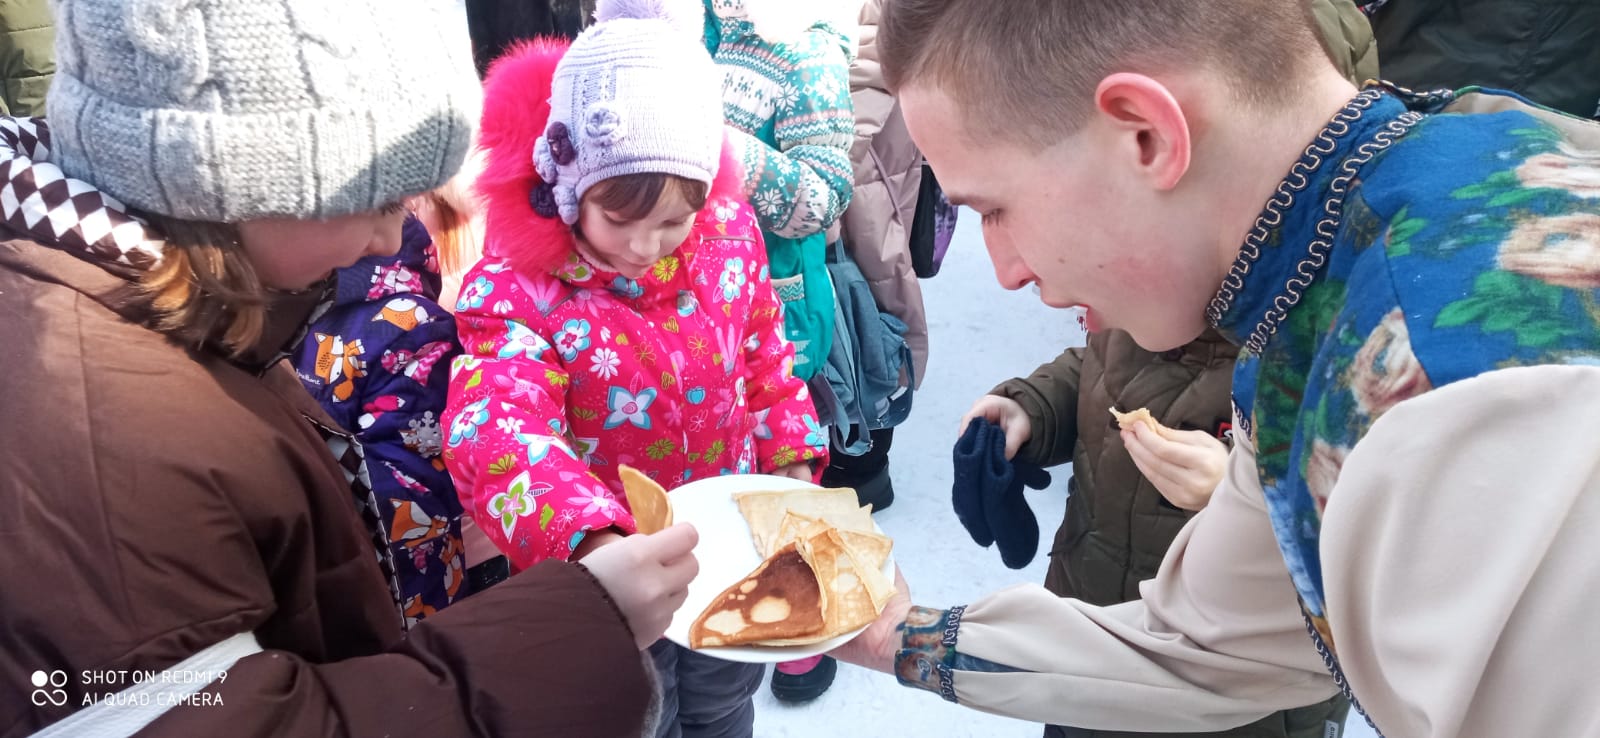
x: 631, y: 247
x: 291, y: 254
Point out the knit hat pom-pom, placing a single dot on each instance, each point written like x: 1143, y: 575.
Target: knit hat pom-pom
x: 685, y: 16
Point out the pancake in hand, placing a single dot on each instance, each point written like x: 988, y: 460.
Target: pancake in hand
x: 781, y: 599
x: 1127, y: 420
x: 652, y: 513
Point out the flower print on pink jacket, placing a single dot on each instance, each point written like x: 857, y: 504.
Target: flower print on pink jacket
x: 570, y: 371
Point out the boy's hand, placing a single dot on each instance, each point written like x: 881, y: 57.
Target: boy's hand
x: 875, y: 648
x: 1006, y: 413
x: 648, y: 577
x: 1185, y: 466
x: 800, y: 470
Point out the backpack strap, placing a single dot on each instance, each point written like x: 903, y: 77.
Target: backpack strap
x: 139, y: 705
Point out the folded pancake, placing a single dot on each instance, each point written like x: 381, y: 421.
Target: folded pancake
x: 853, y: 592
x: 764, y: 511
x: 652, y: 513
x: 781, y: 599
x: 870, y: 546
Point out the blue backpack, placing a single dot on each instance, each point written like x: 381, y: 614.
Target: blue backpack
x: 867, y: 382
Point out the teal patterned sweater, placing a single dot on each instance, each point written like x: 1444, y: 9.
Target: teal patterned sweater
x: 790, y: 118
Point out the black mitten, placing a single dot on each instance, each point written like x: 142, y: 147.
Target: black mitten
x: 971, y: 469
x: 1015, y: 529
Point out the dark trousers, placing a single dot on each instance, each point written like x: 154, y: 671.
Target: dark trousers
x: 704, y: 697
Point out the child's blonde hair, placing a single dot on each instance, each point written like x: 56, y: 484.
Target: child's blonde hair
x: 453, y: 215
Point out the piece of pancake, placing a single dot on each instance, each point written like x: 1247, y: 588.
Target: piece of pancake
x: 781, y: 599
x: 652, y: 512
x: 853, y: 593
x: 764, y: 511
x: 870, y: 546
x: 1127, y: 420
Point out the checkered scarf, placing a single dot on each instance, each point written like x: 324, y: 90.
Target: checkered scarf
x: 38, y: 199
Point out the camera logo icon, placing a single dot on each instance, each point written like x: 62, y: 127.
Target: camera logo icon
x: 48, y: 688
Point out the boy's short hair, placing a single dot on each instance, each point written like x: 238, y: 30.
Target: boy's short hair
x: 1027, y: 69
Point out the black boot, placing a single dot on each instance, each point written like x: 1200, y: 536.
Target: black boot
x: 867, y: 474
x: 804, y: 686
x: 877, y: 491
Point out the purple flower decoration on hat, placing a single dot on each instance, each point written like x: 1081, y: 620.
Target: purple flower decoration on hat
x: 560, y: 142
x: 544, y: 162
x: 567, y: 204
x: 604, y: 126
x: 543, y: 200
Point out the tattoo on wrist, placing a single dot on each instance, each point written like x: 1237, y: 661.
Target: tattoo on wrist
x: 928, y: 650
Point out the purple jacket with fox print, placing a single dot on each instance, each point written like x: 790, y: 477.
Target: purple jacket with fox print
x: 378, y: 362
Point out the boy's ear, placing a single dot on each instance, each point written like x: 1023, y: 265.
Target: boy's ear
x: 1146, y: 110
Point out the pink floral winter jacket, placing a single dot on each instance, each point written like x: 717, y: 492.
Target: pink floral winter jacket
x: 570, y: 371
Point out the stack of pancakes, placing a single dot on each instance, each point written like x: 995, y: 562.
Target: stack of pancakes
x: 822, y: 573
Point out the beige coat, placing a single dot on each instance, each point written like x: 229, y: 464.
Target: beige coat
x: 1441, y: 631
x: 888, y: 168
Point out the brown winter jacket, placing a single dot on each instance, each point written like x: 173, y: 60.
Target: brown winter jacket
x: 157, y: 500
x: 1117, y: 526
x: 888, y: 170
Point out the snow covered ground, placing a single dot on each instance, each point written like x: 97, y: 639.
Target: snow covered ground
x: 979, y: 335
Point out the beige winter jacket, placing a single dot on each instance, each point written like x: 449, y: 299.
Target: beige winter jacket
x: 888, y: 169
x: 1442, y: 632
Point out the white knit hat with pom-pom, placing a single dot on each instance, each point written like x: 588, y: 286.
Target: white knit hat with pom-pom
x: 637, y: 93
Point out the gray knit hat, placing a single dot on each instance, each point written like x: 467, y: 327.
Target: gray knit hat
x: 637, y: 93
x: 227, y: 110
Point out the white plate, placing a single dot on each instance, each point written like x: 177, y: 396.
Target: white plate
x: 727, y: 555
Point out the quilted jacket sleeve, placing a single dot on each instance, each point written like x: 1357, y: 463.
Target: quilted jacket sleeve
x: 514, y: 469
x: 803, y: 184
x: 1050, y: 398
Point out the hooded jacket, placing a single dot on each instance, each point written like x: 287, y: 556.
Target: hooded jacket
x: 570, y: 372
x: 888, y: 179
x: 1117, y: 527
x: 160, y: 498
x: 377, y: 361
